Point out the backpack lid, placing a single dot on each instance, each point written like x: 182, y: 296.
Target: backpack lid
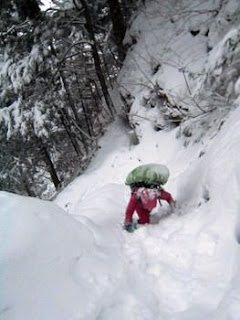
x: 148, y: 175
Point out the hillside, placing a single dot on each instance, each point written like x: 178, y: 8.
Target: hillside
x: 71, y: 259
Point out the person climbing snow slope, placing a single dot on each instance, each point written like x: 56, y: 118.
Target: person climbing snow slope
x: 143, y: 201
x: 145, y: 183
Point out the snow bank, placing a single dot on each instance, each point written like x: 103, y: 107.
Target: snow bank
x: 52, y: 267
x: 82, y: 265
x: 187, y: 266
x: 77, y: 263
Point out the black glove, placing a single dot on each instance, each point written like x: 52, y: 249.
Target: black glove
x: 128, y: 227
x: 173, y: 206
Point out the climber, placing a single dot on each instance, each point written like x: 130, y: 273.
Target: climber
x: 145, y: 182
x: 143, y: 200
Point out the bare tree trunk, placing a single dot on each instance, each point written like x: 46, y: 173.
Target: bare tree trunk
x: 107, y: 70
x: 25, y: 183
x: 97, y: 61
x: 66, y: 88
x: 86, y: 115
x: 119, y: 27
x: 66, y: 125
x: 71, y: 102
x: 93, y: 95
x: 47, y: 159
x: 30, y: 193
x: 87, y: 118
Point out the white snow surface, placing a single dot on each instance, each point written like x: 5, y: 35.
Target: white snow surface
x: 76, y: 262
x: 70, y: 259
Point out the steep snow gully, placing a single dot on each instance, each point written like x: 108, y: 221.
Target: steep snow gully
x: 71, y: 259
x: 78, y: 263
x: 186, y: 267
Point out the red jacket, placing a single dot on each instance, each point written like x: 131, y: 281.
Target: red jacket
x: 144, y: 214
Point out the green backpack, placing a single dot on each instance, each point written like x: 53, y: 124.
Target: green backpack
x: 148, y: 175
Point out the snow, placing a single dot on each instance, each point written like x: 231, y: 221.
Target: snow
x: 70, y: 258
x: 76, y: 262
x: 46, y: 4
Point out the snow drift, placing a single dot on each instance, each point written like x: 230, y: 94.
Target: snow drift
x: 82, y: 265
x: 70, y: 259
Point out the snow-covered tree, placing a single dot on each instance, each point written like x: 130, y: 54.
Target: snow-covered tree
x: 54, y: 97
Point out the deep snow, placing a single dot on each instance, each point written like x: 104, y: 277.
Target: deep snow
x: 71, y: 259
x: 80, y: 264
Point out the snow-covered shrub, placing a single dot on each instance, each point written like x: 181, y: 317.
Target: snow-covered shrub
x: 223, y: 67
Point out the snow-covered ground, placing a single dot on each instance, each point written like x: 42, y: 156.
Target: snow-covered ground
x: 71, y: 259
x: 78, y: 263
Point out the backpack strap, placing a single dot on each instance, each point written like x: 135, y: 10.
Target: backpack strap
x: 159, y: 197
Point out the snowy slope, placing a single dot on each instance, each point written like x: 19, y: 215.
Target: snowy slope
x: 187, y: 50
x: 79, y: 264
x: 70, y: 258
x: 188, y: 263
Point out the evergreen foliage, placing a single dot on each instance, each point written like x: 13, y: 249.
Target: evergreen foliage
x: 54, y: 101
